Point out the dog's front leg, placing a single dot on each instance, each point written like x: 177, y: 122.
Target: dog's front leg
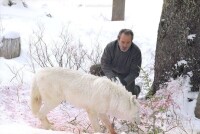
x: 104, y: 118
x: 93, y: 117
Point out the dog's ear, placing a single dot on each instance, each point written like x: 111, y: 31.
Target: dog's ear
x: 133, y: 98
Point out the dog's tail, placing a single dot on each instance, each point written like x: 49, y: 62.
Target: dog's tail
x: 36, y: 100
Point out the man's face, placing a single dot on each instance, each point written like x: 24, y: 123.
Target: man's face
x: 124, y: 42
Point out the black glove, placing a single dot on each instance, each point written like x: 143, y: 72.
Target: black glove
x: 113, y: 79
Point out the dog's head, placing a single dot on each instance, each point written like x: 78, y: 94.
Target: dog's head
x: 135, y: 109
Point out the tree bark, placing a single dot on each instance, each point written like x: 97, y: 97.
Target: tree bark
x: 197, y: 108
x: 10, y: 48
x: 178, y: 40
x: 118, y: 10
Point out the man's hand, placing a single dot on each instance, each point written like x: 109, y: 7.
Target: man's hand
x: 116, y: 80
x: 113, y: 79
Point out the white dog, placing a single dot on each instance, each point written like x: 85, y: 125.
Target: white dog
x: 98, y: 95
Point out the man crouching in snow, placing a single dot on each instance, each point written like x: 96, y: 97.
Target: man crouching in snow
x: 97, y: 95
x: 122, y: 58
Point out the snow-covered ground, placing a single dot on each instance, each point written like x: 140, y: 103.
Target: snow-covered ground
x: 87, y: 21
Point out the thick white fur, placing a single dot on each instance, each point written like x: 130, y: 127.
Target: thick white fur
x: 98, y: 95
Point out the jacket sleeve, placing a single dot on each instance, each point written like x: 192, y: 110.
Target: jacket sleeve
x: 106, y: 62
x: 135, y: 68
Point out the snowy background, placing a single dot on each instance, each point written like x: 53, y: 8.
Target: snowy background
x: 88, y: 22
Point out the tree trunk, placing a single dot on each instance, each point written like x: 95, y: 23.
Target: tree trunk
x: 197, y: 108
x: 10, y: 48
x: 118, y: 10
x: 178, y: 40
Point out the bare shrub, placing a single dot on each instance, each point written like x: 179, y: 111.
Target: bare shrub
x: 63, y: 53
x: 18, y: 76
x: 95, y: 55
x: 75, y: 57
x: 39, y: 50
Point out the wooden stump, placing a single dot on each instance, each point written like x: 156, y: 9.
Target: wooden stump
x: 10, y: 46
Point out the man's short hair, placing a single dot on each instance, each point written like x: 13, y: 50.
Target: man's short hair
x: 126, y: 32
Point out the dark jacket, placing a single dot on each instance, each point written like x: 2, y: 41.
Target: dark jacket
x: 127, y: 64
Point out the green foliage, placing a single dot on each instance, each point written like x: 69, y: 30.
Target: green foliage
x: 146, y: 82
